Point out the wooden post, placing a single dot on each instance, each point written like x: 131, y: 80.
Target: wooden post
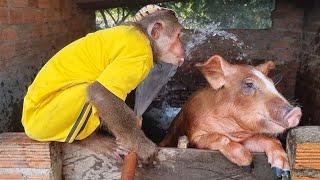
x: 303, y: 147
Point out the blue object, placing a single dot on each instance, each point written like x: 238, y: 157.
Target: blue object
x: 280, y: 172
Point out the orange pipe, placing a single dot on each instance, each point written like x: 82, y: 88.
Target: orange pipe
x: 130, y: 163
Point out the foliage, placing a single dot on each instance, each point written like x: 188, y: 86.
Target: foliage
x: 111, y: 17
x: 248, y: 14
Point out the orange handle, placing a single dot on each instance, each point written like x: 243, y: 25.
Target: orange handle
x: 130, y: 163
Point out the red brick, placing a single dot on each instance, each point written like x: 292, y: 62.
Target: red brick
x: 54, y: 15
x: 22, y: 47
x: 56, y: 28
x: 8, y: 34
x: 281, y: 44
x: 63, y: 4
x: 32, y: 15
x: 39, y: 30
x: 42, y: 44
x: 6, y: 51
x: 40, y: 16
x: 25, y: 15
x: 33, y: 3
x: 4, y: 15
x: 12, y: 176
x: 3, y: 65
x: 3, y: 3
x: 44, y: 3
x: 55, y: 4
x: 21, y: 153
x: 16, y: 15
x: 288, y: 23
x: 21, y: 149
x: 66, y: 14
x: 19, y: 3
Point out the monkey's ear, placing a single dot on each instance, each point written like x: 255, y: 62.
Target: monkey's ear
x: 155, y: 30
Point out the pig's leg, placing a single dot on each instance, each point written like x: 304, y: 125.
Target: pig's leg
x: 234, y: 151
x: 277, y: 157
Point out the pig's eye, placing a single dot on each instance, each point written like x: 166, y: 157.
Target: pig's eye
x: 249, y: 85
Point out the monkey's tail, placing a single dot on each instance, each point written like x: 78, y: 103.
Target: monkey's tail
x: 176, y: 130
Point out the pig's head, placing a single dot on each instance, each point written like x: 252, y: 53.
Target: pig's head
x: 249, y: 97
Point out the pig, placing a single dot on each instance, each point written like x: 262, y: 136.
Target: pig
x: 239, y: 113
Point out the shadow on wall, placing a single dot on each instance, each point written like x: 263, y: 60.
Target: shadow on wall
x: 308, y: 78
x: 14, y: 82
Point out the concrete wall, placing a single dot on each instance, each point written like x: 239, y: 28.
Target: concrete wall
x: 308, y: 79
x: 31, y: 31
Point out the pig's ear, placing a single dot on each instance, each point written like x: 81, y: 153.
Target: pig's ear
x: 214, y: 70
x: 266, y: 67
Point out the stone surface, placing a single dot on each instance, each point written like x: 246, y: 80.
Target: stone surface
x: 96, y: 160
x: 202, y: 164
x: 23, y: 158
x: 92, y: 158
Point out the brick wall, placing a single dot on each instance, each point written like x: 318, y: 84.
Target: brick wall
x: 31, y: 31
x: 26, y: 159
x: 308, y: 79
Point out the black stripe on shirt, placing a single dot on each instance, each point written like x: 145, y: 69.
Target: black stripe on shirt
x: 76, y: 124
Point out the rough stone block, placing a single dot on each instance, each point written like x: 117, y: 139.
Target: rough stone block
x: 94, y: 158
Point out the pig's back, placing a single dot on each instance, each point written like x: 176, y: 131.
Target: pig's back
x: 180, y: 125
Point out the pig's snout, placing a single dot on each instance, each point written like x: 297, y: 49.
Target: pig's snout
x: 293, y: 115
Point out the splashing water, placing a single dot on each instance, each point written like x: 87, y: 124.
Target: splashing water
x: 202, y: 32
x: 161, y: 73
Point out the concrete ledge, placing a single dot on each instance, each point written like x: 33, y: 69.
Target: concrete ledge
x: 203, y: 164
x: 303, y: 147
x: 23, y: 158
x: 94, y: 159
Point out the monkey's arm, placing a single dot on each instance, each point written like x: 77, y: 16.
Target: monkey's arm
x: 120, y: 120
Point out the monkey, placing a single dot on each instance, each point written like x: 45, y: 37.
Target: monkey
x: 163, y: 30
x: 83, y: 86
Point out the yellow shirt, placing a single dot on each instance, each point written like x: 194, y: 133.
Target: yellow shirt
x: 55, y: 104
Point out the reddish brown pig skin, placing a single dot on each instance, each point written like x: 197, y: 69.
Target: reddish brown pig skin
x: 237, y: 114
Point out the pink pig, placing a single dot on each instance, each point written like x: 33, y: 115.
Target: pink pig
x: 238, y: 114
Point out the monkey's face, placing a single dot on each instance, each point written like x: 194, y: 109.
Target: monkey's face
x: 168, y: 45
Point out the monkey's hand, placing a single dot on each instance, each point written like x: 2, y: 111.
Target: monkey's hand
x: 145, y: 148
x: 121, y: 121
